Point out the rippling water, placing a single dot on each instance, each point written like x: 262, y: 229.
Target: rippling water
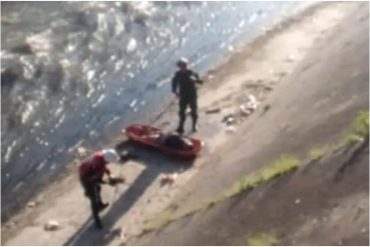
x: 73, y: 73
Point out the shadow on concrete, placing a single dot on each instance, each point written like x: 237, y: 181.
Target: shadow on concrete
x: 156, y: 164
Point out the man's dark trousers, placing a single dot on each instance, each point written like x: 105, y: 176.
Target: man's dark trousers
x: 183, y: 104
x: 92, y: 191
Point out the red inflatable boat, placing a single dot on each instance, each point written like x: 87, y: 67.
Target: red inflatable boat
x: 148, y: 136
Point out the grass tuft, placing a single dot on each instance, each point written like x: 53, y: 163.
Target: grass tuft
x: 263, y: 239
x: 360, y: 125
x: 317, y: 153
x: 284, y: 164
x: 359, y: 129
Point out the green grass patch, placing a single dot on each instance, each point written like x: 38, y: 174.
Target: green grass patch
x: 263, y: 239
x: 350, y: 139
x: 284, y: 164
x: 359, y: 129
x: 317, y: 153
x: 360, y: 125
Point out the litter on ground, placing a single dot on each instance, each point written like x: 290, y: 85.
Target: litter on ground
x: 213, y: 111
x: 52, y: 225
x: 168, y: 178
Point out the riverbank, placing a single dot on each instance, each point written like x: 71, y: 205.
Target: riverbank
x: 295, y: 175
x: 68, y: 106
x: 264, y: 69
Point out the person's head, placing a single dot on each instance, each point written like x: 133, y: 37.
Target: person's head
x: 182, y: 63
x: 110, y: 155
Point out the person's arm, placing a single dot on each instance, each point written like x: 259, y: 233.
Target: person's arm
x: 175, y: 84
x: 100, y: 178
x: 197, y: 78
x: 107, y: 171
x: 95, y: 179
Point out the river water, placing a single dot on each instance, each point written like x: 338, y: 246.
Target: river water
x: 75, y: 73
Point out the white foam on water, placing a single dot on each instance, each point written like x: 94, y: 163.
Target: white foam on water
x: 241, y: 24
x: 58, y: 111
x: 162, y: 82
x: 113, y: 120
x: 113, y: 58
x: 53, y: 166
x: 118, y: 65
x: 90, y: 91
x: 93, y: 133
x: 144, y: 64
x: 71, y: 48
x: 9, y: 151
x: 252, y: 18
x: 102, y: 22
x: 119, y: 28
x: 73, y: 148
x: 40, y: 42
x: 90, y: 74
x: 6, y: 55
x: 119, y: 92
x: 185, y: 27
x: 18, y: 186
x: 102, y: 74
x: 133, y: 103
x: 100, y: 99
x: 60, y: 121
x: 26, y: 114
x: 131, y: 46
x: 42, y: 164
x: 28, y: 67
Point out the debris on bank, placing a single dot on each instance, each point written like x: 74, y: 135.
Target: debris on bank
x: 245, y: 110
x: 52, y: 225
x: 168, y: 178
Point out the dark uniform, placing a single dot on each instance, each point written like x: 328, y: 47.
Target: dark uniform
x: 185, y: 80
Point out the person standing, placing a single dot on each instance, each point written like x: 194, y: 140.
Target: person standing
x: 184, y: 87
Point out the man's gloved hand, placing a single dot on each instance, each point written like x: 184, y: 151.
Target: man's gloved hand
x: 116, y: 180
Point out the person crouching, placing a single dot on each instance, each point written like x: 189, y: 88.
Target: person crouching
x: 92, y: 171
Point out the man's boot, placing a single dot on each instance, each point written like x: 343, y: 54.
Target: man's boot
x: 98, y: 223
x: 102, y: 205
x: 95, y: 212
x: 195, y: 126
x: 180, y: 129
